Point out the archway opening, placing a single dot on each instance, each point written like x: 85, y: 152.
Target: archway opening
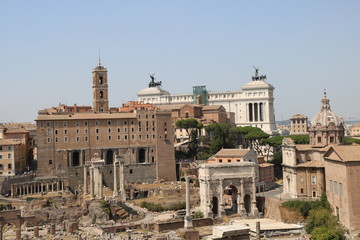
x: 231, y: 200
x: 109, y: 157
x: 247, y: 203
x: 215, y: 206
x: 75, y: 159
x: 141, y: 156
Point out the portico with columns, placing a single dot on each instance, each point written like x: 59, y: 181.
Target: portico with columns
x: 38, y: 186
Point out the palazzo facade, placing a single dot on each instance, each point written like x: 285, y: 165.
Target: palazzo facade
x: 69, y: 139
x: 253, y: 105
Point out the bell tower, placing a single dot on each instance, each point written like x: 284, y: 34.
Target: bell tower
x: 100, y: 89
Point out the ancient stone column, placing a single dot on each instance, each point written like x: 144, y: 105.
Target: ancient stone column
x: 47, y: 187
x: 221, y: 200
x: 188, y: 218
x: 254, y: 209
x: 58, y: 186
x: 115, y: 193
x: 241, y: 208
x: 85, y: 180
x: 122, y: 180
x: 100, y: 182
x: 12, y: 191
x: 91, y: 182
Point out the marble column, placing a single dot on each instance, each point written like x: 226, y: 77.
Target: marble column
x: 241, y: 208
x: 115, y: 193
x: 254, y: 209
x: 122, y: 180
x: 221, y: 198
x: 85, y: 180
x: 188, y: 219
x: 58, y: 186
x: 92, y: 182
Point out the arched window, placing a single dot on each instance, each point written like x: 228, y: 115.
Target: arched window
x: 100, y: 80
x: 101, y: 94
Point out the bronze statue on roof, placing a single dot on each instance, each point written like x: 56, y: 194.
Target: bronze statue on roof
x: 152, y: 82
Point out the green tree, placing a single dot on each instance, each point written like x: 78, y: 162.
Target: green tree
x: 192, y: 128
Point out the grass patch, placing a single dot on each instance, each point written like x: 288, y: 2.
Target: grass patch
x: 155, y: 207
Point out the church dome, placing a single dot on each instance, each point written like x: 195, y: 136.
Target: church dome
x: 326, y: 115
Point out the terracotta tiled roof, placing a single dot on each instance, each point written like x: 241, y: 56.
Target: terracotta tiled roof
x: 170, y: 106
x: 211, y: 107
x: 232, y: 152
x: 317, y: 164
x: 346, y: 153
x: 9, y: 142
x: 85, y: 116
x: 307, y: 147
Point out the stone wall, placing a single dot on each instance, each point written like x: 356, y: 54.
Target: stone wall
x: 272, y: 208
x: 145, y: 173
x: 160, y: 227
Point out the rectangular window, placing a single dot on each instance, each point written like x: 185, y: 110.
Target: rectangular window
x: 336, y: 187
x: 313, y: 180
x: 47, y: 124
x: 118, y: 137
x: 85, y: 123
x: 48, y: 131
x: 65, y: 139
x: 9, y: 155
x: 77, y: 131
x: 0, y: 148
x: 96, y: 123
x: 220, y: 160
x: 132, y: 137
x: 86, y: 139
x: 331, y: 186
x: 9, y: 166
x: 97, y: 138
x: 125, y: 137
x: 10, y: 148
x: 118, y: 122
x: 55, y: 124
x: 109, y: 138
x: 77, y: 124
x: 65, y: 131
x: 109, y: 123
x: 85, y: 131
x: 340, y: 189
x: 65, y: 123
x: 78, y: 139
x: 48, y: 140
x: 41, y: 124
x: 1, y: 167
x: 0, y: 156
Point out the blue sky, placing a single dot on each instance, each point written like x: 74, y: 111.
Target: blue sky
x: 48, y: 50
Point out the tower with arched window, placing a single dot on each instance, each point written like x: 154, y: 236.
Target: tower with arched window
x: 100, y: 89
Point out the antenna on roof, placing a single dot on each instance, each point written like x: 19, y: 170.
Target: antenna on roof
x: 99, y: 58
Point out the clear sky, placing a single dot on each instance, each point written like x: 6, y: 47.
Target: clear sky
x: 48, y: 50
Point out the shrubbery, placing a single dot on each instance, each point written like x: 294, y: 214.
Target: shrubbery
x: 155, y: 207
x: 321, y: 224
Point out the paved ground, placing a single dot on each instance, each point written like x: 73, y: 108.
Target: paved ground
x: 267, y: 224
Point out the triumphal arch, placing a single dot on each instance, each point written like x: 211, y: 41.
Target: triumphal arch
x: 228, y: 188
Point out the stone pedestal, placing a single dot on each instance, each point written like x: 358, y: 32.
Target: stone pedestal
x: 18, y: 233
x: 191, y: 234
x: 36, y: 231
x: 52, y: 229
